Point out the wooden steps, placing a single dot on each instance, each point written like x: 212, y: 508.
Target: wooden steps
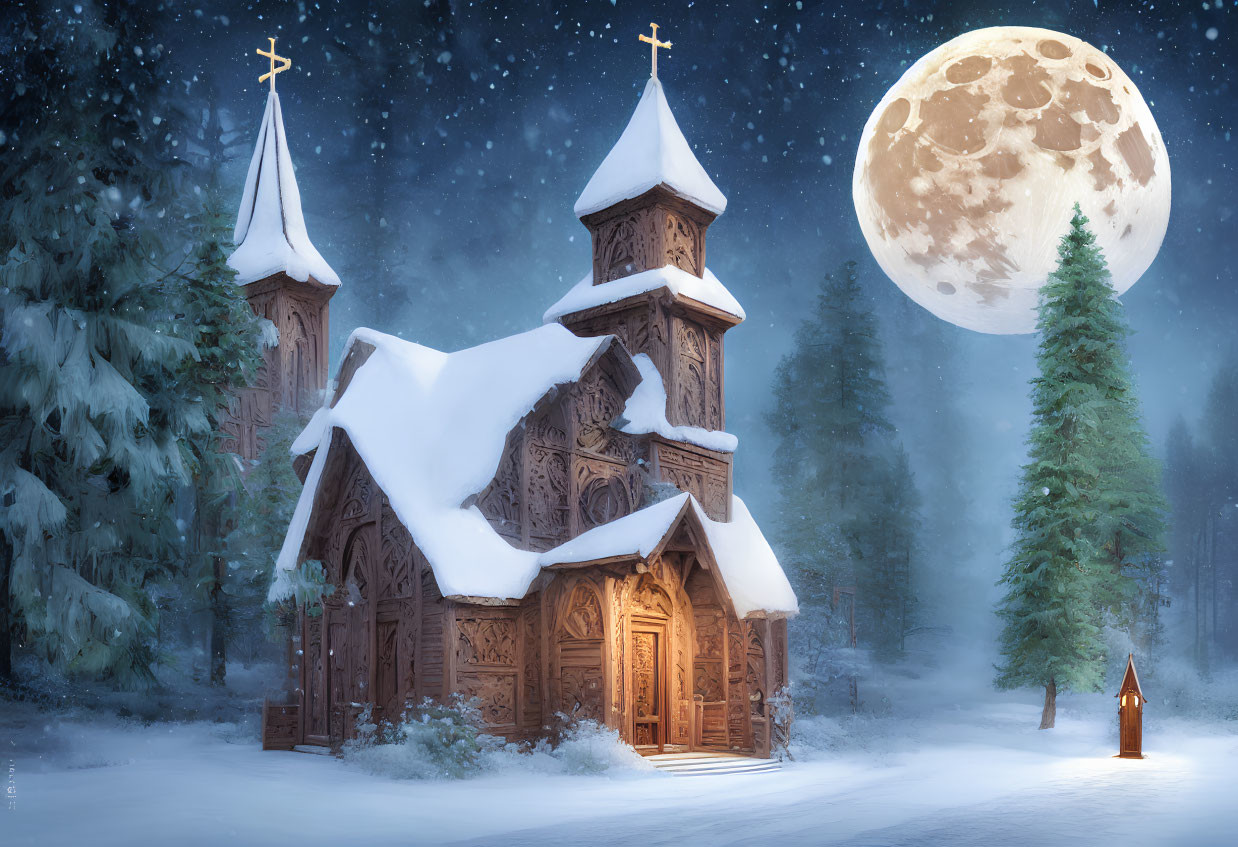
x: 313, y: 749
x: 712, y: 764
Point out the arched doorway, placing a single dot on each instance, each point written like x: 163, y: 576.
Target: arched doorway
x: 650, y: 630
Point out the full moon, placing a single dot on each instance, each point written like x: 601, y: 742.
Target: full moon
x: 969, y: 167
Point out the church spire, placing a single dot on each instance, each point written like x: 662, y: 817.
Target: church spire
x: 270, y: 228
x: 284, y: 279
x: 652, y: 151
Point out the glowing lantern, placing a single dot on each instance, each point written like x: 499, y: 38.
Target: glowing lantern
x: 1130, y: 714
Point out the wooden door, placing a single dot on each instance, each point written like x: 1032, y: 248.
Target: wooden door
x: 649, y: 695
x: 338, y: 694
x: 313, y: 663
x: 1131, y: 726
x: 388, y: 700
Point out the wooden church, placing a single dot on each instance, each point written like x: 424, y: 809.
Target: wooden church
x: 545, y: 522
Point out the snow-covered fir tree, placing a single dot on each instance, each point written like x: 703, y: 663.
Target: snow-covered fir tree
x: 847, y: 499
x: 90, y: 414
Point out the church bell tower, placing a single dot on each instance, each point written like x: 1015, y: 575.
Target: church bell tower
x: 647, y: 208
x: 285, y: 280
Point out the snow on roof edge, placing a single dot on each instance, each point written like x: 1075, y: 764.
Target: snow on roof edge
x: 707, y: 289
x: 645, y: 412
x: 651, y: 150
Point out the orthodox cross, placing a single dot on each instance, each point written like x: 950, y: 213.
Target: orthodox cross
x: 287, y: 63
x: 654, y: 44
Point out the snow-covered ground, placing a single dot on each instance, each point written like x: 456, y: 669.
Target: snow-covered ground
x: 972, y: 772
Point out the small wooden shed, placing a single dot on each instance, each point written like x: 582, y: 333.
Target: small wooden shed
x: 1130, y: 713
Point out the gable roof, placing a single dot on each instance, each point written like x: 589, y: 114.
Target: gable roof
x: 1130, y: 679
x: 746, y: 563
x: 431, y: 428
x: 270, y: 229
x: 651, y: 151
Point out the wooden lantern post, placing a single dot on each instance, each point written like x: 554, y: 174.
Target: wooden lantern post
x: 1130, y: 714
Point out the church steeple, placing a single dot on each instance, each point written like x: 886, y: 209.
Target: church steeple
x: 650, y: 201
x: 647, y: 207
x: 285, y: 280
x: 270, y: 229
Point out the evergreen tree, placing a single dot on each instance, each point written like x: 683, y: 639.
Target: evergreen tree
x: 927, y: 377
x: 1089, y: 504
x: 846, y: 496
x: 264, y: 512
x: 227, y: 336
x: 90, y: 416
x: 1129, y: 531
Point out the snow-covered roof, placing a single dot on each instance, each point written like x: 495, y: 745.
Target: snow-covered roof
x: 652, y: 151
x: 270, y: 228
x: 746, y: 563
x: 586, y: 295
x: 645, y: 412
x: 431, y: 428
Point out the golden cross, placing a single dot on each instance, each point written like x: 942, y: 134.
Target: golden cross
x: 287, y: 63
x: 654, y: 44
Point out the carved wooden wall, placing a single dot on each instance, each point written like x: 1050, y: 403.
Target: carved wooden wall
x: 694, y: 381
x: 363, y: 648
x: 294, y: 372
x: 431, y: 664
x: 302, y: 351
x: 709, y: 680
x: 576, y: 631
x: 738, y: 727
x: 650, y: 231
x: 487, y: 662
x: 251, y: 410
x: 530, y: 714
x: 706, y: 474
x: 688, y: 353
x: 567, y: 470
x: 756, y: 669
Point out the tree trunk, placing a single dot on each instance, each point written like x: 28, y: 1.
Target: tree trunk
x: 1198, y: 558
x: 219, y: 647
x: 1049, y: 715
x: 1212, y: 565
x: 6, y: 624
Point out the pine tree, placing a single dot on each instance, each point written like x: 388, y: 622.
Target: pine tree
x: 89, y: 414
x: 846, y: 499
x: 1217, y: 486
x: 926, y: 375
x: 263, y: 514
x: 227, y: 337
x: 1089, y: 501
x: 1129, y: 530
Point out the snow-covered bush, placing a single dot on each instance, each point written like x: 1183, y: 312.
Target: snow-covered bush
x: 436, y: 741
x: 432, y: 741
x: 586, y: 746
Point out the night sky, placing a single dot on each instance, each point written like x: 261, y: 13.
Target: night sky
x: 440, y: 146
